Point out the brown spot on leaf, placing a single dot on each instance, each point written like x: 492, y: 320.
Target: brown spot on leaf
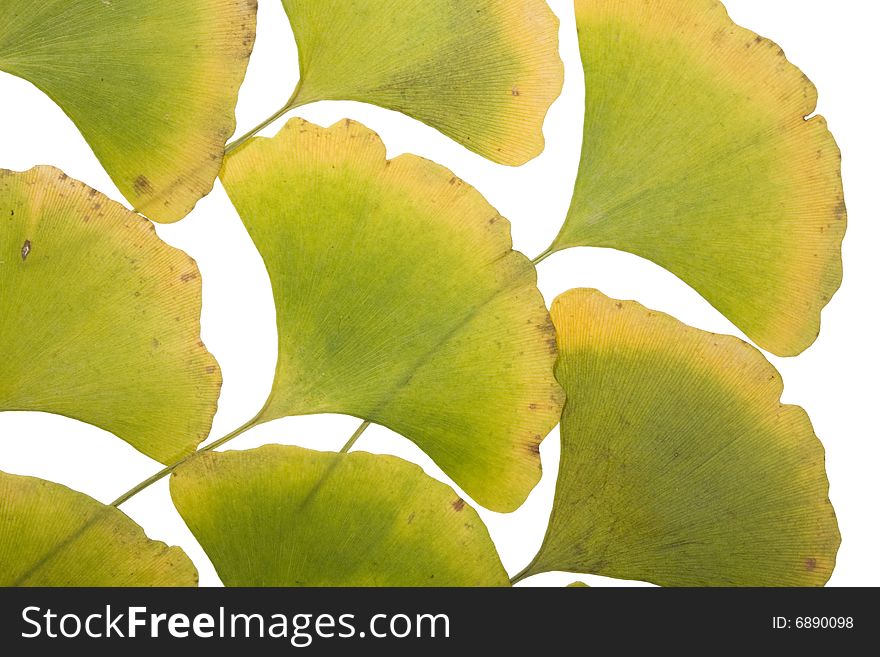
x: 458, y: 505
x: 412, y: 517
x: 189, y: 276
x: 514, y: 91
x: 533, y: 406
x: 155, y: 344
x: 810, y: 564
x: 25, y: 250
x: 142, y: 185
x: 840, y: 210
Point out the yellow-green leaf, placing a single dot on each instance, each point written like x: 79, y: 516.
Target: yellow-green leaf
x: 679, y: 464
x: 697, y: 156
x: 400, y: 301
x: 482, y: 72
x: 100, y: 318
x: 287, y: 516
x: 151, y: 85
x: 53, y: 536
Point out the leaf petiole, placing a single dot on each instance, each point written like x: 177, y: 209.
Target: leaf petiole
x: 234, y: 145
x: 146, y: 483
x: 354, y: 437
x: 543, y: 256
x: 521, y: 575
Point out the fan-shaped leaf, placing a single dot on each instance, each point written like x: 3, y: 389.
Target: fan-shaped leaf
x: 679, y: 465
x: 151, y: 84
x: 287, y: 516
x: 482, y: 72
x: 697, y: 156
x: 53, y: 536
x: 400, y: 301
x: 100, y: 318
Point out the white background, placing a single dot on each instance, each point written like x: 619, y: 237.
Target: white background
x: 833, y: 42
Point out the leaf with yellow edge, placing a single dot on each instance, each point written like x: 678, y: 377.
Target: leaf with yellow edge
x: 482, y: 72
x: 400, y: 301
x: 151, y: 85
x: 697, y: 156
x: 679, y: 466
x: 288, y: 516
x: 100, y: 318
x: 53, y: 536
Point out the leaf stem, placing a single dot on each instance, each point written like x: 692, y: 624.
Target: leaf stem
x: 164, y: 472
x: 543, y: 256
x: 521, y: 575
x: 235, y: 145
x: 291, y: 104
x: 146, y: 483
x: 357, y: 434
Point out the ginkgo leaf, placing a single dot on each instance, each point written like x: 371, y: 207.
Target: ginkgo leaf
x: 151, y: 85
x: 482, y: 72
x: 679, y: 465
x: 100, y: 318
x: 400, y: 301
x: 697, y: 156
x: 53, y: 536
x: 288, y: 516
